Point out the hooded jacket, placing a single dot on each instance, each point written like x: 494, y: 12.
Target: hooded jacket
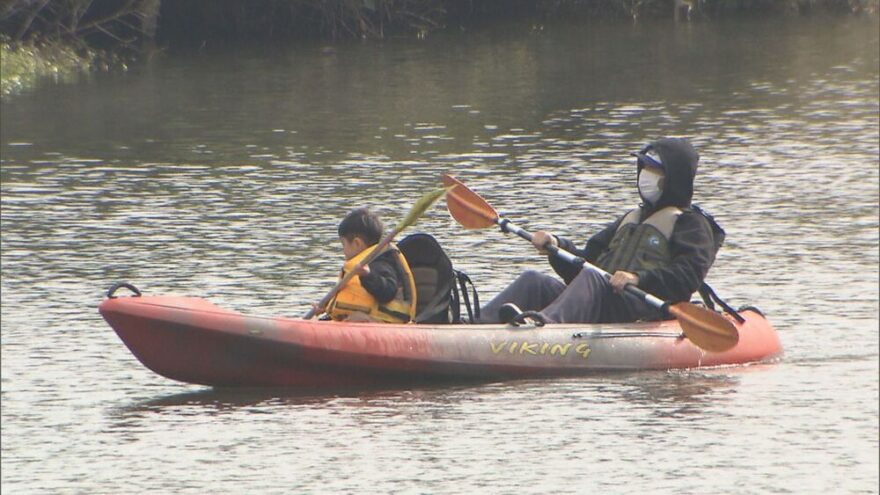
x: 691, y: 243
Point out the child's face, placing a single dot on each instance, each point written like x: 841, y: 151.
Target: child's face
x: 352, y: 248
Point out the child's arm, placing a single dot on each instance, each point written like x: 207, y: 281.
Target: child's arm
x: 381, y: 282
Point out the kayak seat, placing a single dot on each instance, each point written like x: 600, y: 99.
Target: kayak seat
x: 427, y: 281
x: 432, y: 271
x: 437, y: 296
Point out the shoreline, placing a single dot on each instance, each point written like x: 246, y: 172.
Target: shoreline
x: 25, y: 64
x: 34, y: 54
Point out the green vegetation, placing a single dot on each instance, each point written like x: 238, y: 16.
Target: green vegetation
x: 22, y: 64
x: 37, y: 36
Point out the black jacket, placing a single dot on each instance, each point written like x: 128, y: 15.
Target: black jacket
x: 384, y: 278
x: 692, y: 243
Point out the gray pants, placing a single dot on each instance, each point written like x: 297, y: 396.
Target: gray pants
x: 589, y: 298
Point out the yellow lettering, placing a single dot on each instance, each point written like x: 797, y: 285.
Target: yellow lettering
x: 584, y: 350
x: 496, y: 348
x: 561, y: 349
x: 542, y: 348
x: 526, y: 347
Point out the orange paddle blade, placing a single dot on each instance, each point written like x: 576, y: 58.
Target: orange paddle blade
x: 466, y: 206
x: 705, y: 328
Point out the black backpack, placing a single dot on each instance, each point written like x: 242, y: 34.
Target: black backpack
x: 438, y: 299
x: 718, y: 233
x: 707, y: 293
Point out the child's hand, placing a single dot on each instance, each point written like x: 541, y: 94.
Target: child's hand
x: 364, y: 270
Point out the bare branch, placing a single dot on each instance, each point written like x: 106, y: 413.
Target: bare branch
x: 26, y: 24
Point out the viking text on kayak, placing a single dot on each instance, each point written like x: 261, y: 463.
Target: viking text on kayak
x: 539, y: 348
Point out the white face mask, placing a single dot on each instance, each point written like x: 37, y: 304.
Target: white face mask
x: 650, y: 185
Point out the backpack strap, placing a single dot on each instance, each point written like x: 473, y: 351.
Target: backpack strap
x: 476, y: 301
x: 710, y: 298
x: 454, y: 307
x: 463, y: 280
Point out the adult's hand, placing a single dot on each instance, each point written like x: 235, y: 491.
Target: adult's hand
x: 621, y: 279
x: 541, y: 239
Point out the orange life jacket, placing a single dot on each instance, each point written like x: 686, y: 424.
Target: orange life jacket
x: 354, y: 297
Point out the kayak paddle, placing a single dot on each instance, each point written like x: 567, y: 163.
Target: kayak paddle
x: 705, y: 328
x: 417, y: 210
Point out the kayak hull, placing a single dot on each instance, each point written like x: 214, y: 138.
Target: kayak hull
x: 191, y: 340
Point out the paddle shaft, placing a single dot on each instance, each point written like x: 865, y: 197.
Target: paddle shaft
x: 508, y: 226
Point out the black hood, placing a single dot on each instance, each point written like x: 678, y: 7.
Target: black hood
x: 680, y: 164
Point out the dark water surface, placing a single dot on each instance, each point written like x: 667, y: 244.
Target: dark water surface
x: 223, y: 175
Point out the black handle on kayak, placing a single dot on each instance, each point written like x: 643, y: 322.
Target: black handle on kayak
x: 118, y: 285
x: 508, y: 226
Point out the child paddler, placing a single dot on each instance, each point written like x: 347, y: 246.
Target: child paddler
x: 384, y: 290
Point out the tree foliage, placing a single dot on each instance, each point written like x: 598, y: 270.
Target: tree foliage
x: 137, y: 23
x: 101, y: 23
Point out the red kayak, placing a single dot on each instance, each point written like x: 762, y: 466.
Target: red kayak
x: 194, y: 341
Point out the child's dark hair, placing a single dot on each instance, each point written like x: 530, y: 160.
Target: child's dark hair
x: 361, y: 223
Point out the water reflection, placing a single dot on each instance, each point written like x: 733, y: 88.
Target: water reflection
x: 669, y: 394
x: 225, y: 399
x: 681, y: 394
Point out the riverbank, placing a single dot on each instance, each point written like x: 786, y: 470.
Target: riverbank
x: 212, y: 21
x: 23, y: 64
x: 38, y: 40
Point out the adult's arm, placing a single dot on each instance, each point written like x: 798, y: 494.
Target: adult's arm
x: 594, y: 247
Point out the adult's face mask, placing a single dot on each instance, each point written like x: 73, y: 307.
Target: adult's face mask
x: 650, y: 185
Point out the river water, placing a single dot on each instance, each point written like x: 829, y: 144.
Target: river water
x: 223, y: 174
